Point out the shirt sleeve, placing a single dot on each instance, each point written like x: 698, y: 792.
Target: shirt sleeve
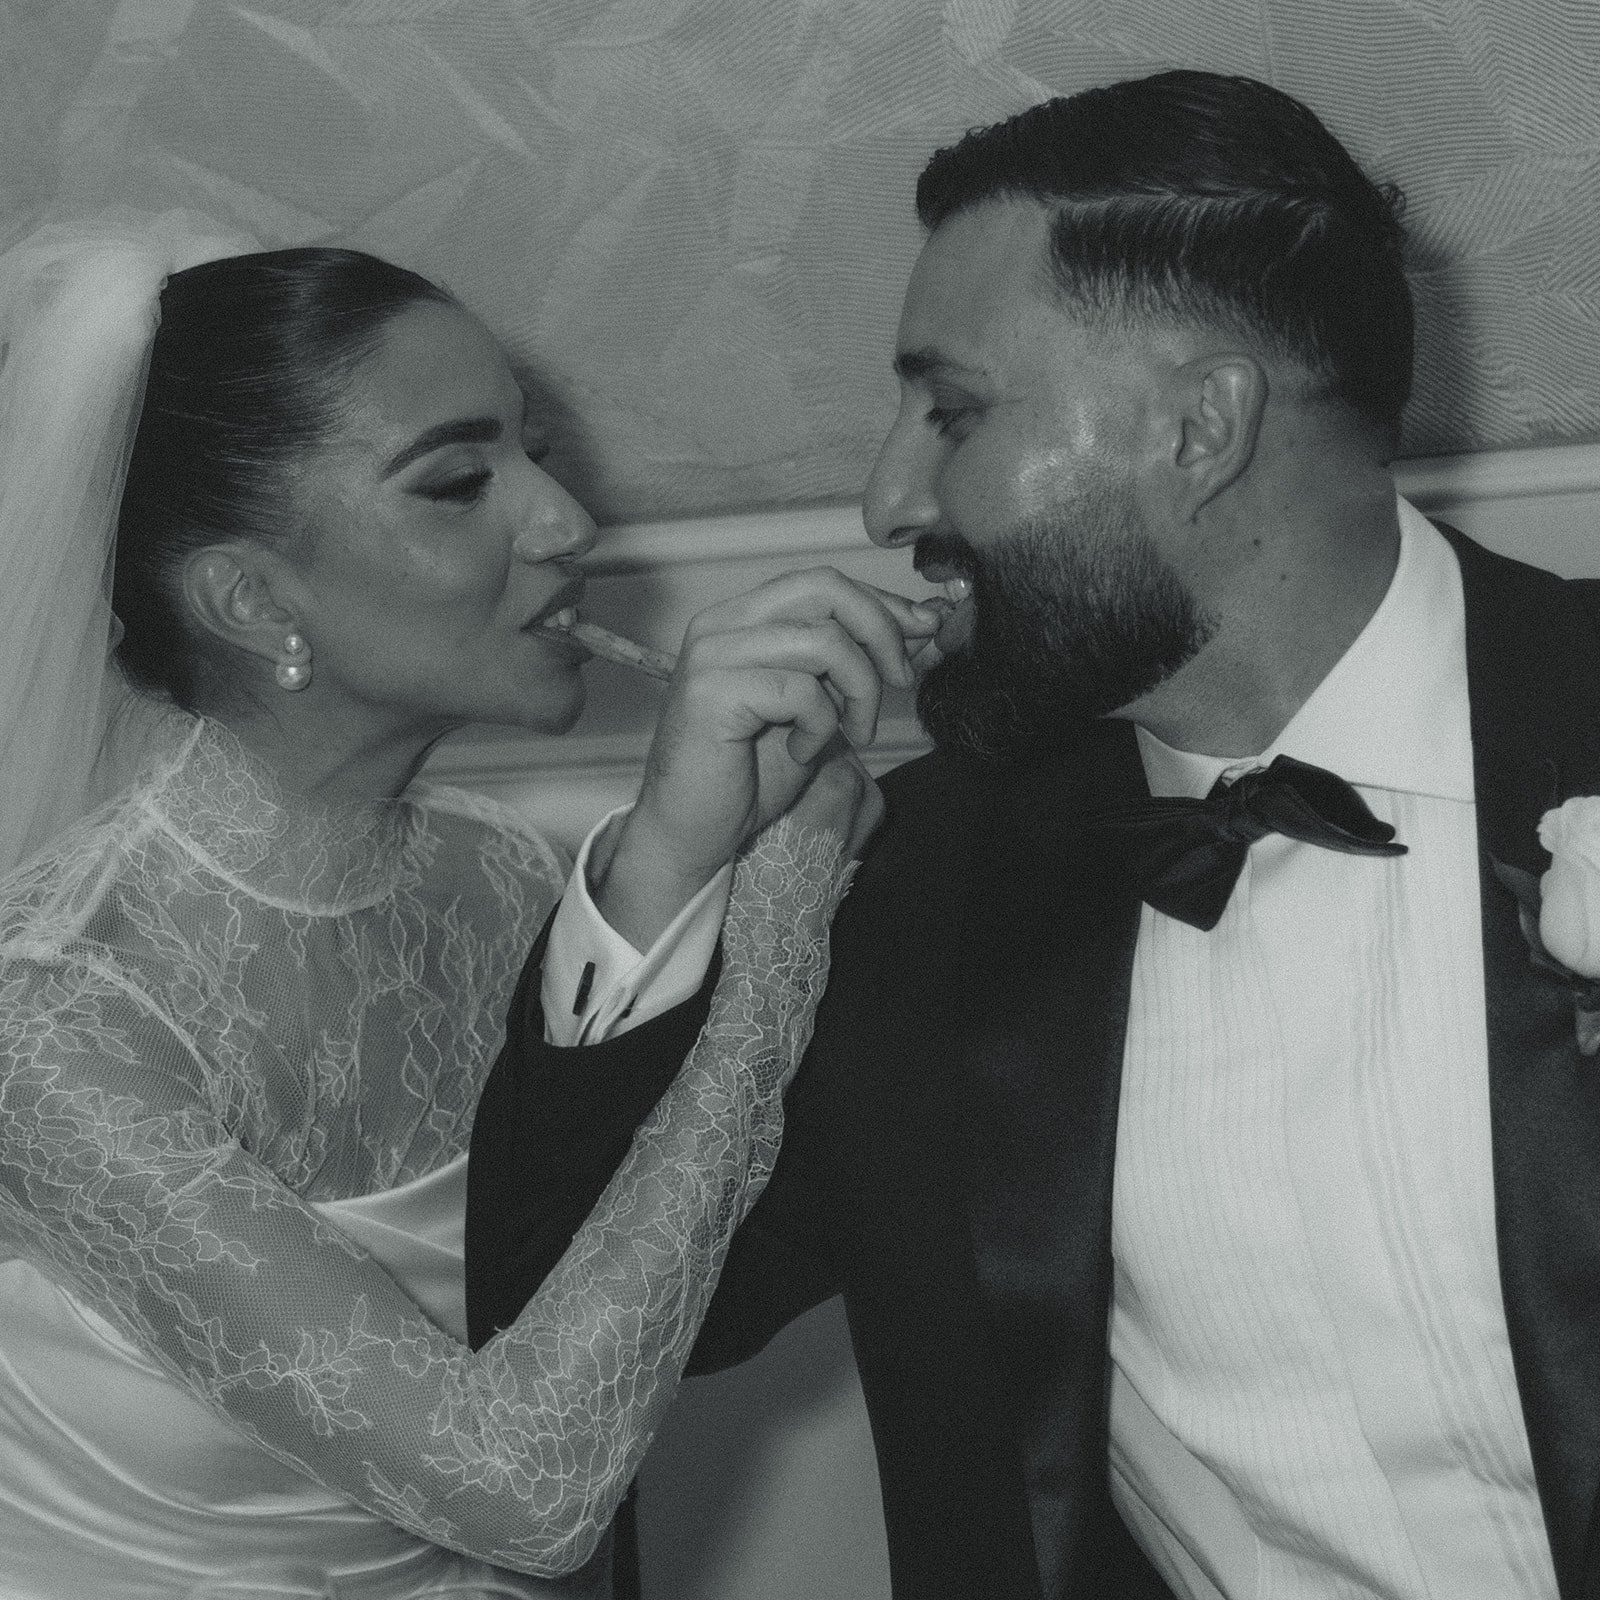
x: 596, y: 985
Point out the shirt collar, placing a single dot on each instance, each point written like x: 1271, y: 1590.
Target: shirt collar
x: 1393, y: 713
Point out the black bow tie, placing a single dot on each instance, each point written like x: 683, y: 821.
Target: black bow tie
x: 1184, y: 856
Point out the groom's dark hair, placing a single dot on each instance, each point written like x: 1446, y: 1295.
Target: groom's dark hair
x: 1189, y: 197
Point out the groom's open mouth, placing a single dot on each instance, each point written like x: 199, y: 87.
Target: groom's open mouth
x: 951, y: 577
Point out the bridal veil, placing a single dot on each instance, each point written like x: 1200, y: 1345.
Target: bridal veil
x: 79, y: 302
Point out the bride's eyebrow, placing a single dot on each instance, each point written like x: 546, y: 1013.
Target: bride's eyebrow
x: 468, y: 430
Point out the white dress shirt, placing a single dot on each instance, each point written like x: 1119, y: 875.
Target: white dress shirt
x: 1312, y: 1390
x: 595, y: 985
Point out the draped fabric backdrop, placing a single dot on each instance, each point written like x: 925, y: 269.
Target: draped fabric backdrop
x: 693, y: 217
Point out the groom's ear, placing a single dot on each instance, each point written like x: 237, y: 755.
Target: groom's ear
x: 228, y: 591
x: 1221, y: 400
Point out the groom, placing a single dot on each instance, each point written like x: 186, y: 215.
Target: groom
x: 1213, y: 1180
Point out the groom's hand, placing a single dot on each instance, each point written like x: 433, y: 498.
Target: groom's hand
x: 771, y: 692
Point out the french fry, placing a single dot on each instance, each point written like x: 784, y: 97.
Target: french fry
x: 613, y: 647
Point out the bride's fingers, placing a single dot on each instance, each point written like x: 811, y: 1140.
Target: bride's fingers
x: 869, y: 817
x: 917, y: 619
x: 841, y: 796
x: 736, y: 707
x: 869, y: 811
x: 879, y: 622
x: 925, y: 656
x: 718, y: 664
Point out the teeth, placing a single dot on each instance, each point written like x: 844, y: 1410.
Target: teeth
x: 564, y: 618
x: 957, y: 589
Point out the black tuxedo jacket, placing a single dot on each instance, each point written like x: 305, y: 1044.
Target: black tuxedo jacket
x: 948, y: 1154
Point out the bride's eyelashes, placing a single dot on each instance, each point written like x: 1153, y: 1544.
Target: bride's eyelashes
x: 467, y: 488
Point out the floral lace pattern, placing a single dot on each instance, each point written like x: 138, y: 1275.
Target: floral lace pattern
x: 216, y: 1008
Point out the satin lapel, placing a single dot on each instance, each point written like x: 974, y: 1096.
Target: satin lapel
x: 1051, y: 959
x: 1533, y: 667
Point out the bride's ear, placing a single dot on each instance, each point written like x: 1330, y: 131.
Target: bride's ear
x: 229, y: 595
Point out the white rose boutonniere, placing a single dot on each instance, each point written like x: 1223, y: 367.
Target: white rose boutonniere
x: 1560, y: 912
x: 1569, y: 893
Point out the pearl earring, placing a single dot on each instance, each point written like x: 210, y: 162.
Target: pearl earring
x: 294, y: 670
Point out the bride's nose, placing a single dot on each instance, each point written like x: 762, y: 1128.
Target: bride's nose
x: 556, y: 526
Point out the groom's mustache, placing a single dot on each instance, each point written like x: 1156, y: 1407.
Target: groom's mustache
x: 946, y: 549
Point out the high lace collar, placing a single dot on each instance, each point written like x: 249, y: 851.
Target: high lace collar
x: 228, y: 810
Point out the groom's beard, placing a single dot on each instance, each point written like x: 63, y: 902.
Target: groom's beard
x: 1077, y: 614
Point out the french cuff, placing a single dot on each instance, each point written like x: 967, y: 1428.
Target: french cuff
x: 595, y: 984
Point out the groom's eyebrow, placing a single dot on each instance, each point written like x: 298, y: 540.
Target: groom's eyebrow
x: 468, y: 430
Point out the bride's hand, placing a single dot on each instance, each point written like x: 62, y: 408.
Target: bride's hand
x: 764, y: 683
x: 840, y: 796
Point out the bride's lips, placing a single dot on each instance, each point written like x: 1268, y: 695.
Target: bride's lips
x: 558, y: 613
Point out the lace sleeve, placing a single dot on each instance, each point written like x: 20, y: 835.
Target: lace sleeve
x: 118, y: 1175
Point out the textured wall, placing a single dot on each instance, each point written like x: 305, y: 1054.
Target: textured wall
x: 694, y: 215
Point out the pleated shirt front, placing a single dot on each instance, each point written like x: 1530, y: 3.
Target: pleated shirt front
x: 1313, y: 1394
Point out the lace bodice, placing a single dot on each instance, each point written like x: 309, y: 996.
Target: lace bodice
x: 216, y: 1008
x: 329, y: 990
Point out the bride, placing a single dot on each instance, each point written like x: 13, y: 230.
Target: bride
x: 248, y: 1001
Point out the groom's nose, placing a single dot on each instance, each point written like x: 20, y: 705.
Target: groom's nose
x: 899, y: 504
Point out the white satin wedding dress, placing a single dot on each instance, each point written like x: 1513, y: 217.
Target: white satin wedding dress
x: 240, y: 1048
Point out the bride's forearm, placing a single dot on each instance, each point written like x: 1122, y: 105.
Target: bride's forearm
x: 585, y: 1374
x: 116, y: 1171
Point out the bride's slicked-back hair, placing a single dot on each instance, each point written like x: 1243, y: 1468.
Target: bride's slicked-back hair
x: 1189, y: 197
x: 248, y: 370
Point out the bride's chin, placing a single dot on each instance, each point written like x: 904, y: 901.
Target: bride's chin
x: 548, y: 711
